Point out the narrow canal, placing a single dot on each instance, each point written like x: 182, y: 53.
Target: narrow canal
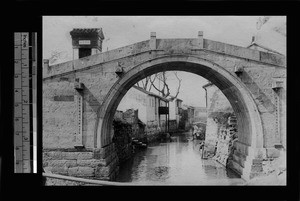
x: 175, y: 162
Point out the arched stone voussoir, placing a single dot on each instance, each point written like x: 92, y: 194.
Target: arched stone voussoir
x: 218, y: 75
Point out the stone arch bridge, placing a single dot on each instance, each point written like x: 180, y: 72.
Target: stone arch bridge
x: 80, y: 98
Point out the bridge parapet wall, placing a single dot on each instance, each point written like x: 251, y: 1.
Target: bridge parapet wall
x: 189, y: 46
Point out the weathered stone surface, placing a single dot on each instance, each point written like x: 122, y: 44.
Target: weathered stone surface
x: 104, y: 152
x: 90, y: 163
x: 256, y: 168
x: 81, y: 171
x: 269, y: 122
x: 85, y: 155
x: 71, y: 155
x: 272, y: 153
x: 53, y: 155
x: 272, y: 58
x: 61, y: 182
x: 106, y: 170
x: 59, y: 170
x: 215, y: 62
x: 62, y: 163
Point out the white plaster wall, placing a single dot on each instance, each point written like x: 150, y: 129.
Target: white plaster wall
x: 172, y: 110
x: 135, y: 99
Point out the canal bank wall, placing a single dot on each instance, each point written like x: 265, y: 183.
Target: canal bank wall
x: 221, y: 142
x: 221, y: 128
x: 122, y: 140
x: 84, y: 163
x: 99, y: 164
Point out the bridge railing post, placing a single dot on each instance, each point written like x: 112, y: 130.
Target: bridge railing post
x: 46, y: 68
x: 200, y: 39
x: 153, y: 41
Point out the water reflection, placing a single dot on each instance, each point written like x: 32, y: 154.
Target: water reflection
x: 177, y: 161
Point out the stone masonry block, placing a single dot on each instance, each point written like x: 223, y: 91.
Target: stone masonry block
x: 71, y: 155
x: 86, y: 171
x: 106, y: 170
x: 257, y: 161
x: 45, y: 163
x: 62, y: 163
x: 85, y: 155
x: 53, y: 155
x: 241, y: 148
x: 59, y: 170
x: 81, y: 171
x: 272, y: 153
x: 257, y: 168
x: 104, y: 152
x: 272, y: 58
x: 89, y: 163
x: 108, y: 159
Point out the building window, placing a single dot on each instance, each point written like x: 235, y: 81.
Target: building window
x: 178, y: 103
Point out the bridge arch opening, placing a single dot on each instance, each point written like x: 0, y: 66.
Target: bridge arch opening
x: 250, y: 132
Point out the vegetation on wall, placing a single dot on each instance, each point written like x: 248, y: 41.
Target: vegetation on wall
x: 220, y: 117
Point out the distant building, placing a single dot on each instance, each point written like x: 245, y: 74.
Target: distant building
x: 200, y: 114
x: 256, y: 46
x: 187, y: 117
x: 175, y: 110
x: 147, y: 104
x: 192, y: 114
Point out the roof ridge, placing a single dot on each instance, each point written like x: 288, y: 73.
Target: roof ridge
x: 88, y: 30
x: 264, y: 47
x: 149, y: 92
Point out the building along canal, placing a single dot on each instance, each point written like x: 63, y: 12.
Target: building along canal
x: 175, y: 162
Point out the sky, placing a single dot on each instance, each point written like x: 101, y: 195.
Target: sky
x: 120, y: 31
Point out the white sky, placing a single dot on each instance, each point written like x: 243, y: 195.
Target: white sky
x: 120, y: 31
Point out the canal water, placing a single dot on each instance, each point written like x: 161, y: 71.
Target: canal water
x: 175, y: 162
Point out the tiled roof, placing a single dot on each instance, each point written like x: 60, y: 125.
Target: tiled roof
x: 98, y: 31
x: 263, y: 47
x: 150, y: 93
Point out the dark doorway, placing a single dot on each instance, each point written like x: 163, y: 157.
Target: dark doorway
x: 84, y: 52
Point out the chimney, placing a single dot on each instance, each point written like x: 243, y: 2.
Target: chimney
x: 86, y: 42
x: 253, y: 40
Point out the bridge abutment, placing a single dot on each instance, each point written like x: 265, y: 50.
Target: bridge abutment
x: 90, y: 163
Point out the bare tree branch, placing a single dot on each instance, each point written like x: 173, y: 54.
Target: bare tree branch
x: 179, y: 84
x: 150, y: 82
x: 146, y: 83
x: 153, y: 85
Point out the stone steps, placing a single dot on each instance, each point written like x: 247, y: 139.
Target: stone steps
x: 256, y: 174
x: 235, y: 167
x: 239, y: 158
x: 138, y: 143
x: 256, y: 166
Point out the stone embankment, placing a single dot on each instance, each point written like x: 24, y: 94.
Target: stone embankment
x: 84, y: 163
x: 122, y: 140
x: 226, y: 136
